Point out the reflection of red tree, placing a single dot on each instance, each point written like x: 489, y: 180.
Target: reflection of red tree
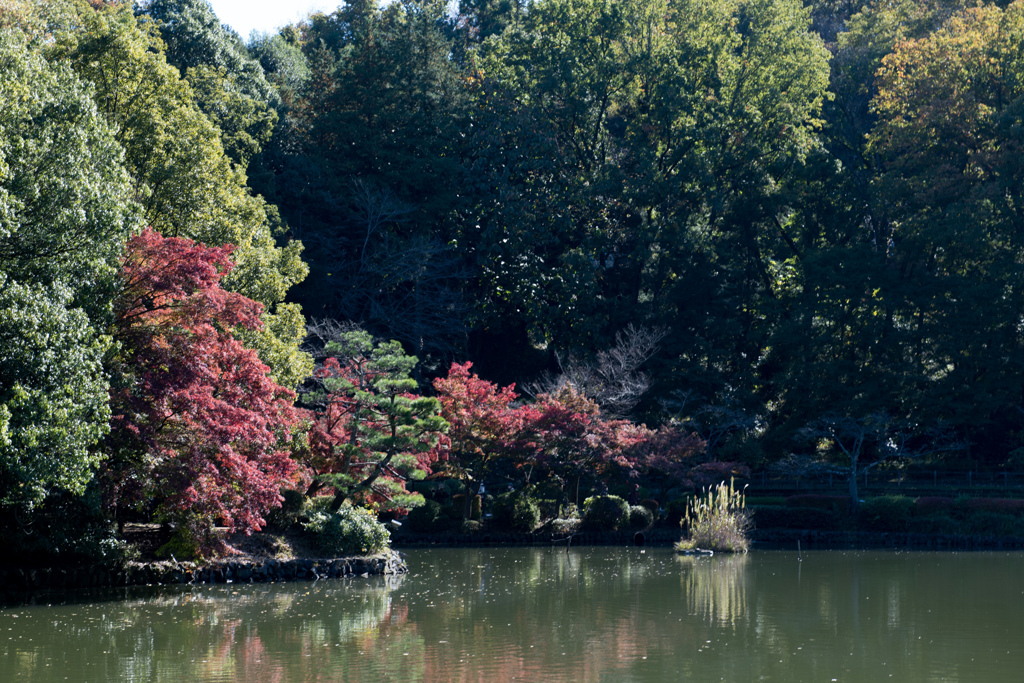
x: 256, y: 663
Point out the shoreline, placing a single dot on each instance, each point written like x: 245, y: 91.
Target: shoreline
x: 21, y: 580
x: 760, y: 539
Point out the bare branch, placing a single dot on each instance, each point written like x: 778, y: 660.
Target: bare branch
x: 613, y: 377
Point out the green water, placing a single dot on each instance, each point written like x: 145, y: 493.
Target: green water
x: 593, y: 614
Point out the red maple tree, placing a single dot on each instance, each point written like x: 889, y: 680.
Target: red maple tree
x: 200, y: 431
x: 577, y: 442
x: 484, y: 427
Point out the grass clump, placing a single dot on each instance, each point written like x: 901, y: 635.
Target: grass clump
x: 717, y: 521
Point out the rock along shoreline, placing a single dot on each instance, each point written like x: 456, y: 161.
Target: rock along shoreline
x: 170, y: 572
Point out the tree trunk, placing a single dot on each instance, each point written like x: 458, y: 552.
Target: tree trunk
x: 854, y: 497
x: 467, y: 505
x: 364, y: 485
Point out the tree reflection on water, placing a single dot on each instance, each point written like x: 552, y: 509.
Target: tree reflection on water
x: 716, y: 587
x: 592, y: 614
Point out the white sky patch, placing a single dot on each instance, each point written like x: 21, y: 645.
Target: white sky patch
x: 266, y: 16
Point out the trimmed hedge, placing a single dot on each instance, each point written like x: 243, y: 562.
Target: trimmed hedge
x: 886, y: 513
x: 837, y: 504
x: 927, y: 505
x: 605, y: 513
x: 640, y: 517
x: 516, y: 511
x: 777, y: 517
x: 1011, y: 506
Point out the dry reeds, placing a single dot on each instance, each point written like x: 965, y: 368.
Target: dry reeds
x: 717, y: 521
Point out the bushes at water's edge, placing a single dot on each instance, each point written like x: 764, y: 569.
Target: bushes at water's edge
x: 898, y: 514
x: 605, y: 513
x: 516, y: 511
x: 640, y: 518
x: 349, y: 531
x: 431, y: 517
x: 779, y: 517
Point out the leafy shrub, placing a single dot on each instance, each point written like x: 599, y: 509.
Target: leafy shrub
x: 349, y: 531
x: 548, y: 507
x: 640, y: 517
x: 605, y: 513
x: 936, y: 523
x: 565, y: 526
x: 717, y: 521
x: 652, y: 505
x: 961, y: 508
x: 469, y: 526
x: 837, y: 504
x: 431, y: 517
x: 288, y: 514
x: 990, y: 523
x: 886, y: 513
x: 778, y: 517
x: 517, y: 511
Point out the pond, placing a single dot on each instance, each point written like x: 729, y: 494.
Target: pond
x: 539, y: 614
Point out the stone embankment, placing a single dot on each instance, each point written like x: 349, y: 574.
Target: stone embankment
x: 224, y: 571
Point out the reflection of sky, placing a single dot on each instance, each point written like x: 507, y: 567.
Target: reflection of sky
x: 266, y: 16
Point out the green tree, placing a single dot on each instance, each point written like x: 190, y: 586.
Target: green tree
x: 53, y: 393
x: 228, y: 84
x: 65, y: 206
x: 949, y: 144
x: 195, y: 37
x: 65, y: 211
x: 372, y: 432
x: 639, y: 151
x: 282, y: 60
x: 183, y: 180
x: 374, y: 177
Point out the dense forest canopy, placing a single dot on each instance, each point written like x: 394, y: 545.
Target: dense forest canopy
x: 749, y: 220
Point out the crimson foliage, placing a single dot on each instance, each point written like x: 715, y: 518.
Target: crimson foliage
x: 199, y: 429
x: 578, y: 443
x: 484, y: 428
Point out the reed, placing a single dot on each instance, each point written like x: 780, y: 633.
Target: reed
x: 717, y: 521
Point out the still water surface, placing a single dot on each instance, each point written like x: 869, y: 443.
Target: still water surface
x: 529, y: 614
